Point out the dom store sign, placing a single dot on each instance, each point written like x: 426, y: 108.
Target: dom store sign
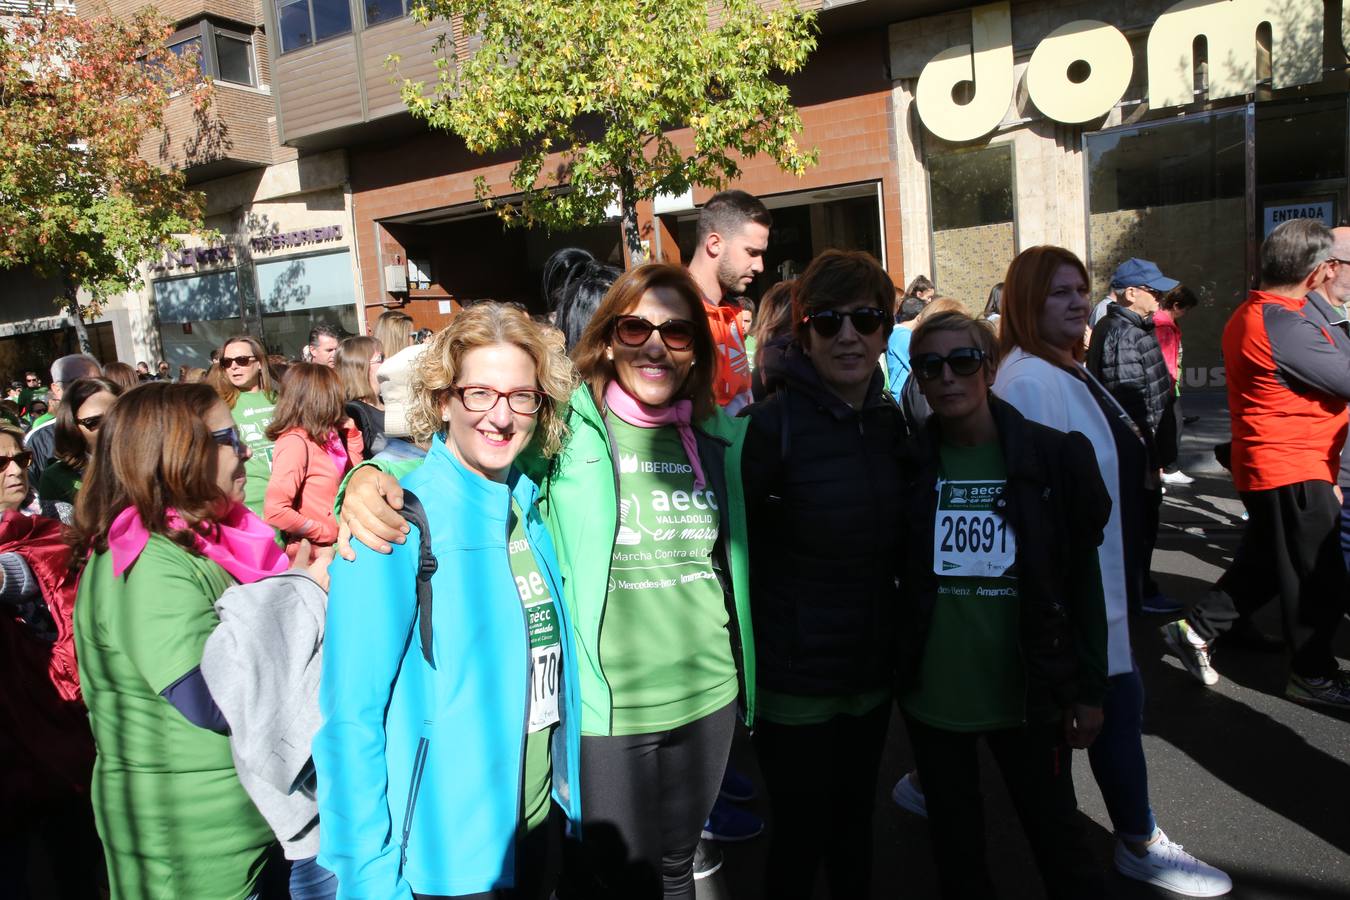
x: 1228, y: 26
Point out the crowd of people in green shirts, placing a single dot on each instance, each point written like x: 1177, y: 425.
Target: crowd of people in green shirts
x: 480, y: 617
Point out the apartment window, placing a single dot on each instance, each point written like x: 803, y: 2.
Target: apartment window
x: 306, y: 22
x: 378, y: 11
x: 222, y: 54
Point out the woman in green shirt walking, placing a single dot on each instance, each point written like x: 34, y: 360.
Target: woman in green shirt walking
x: 244, y: 381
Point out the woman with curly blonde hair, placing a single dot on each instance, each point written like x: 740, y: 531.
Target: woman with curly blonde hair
x: 646, y: 509
x: 455, y: 711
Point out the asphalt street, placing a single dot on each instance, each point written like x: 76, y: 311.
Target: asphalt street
x: 1245, y: 779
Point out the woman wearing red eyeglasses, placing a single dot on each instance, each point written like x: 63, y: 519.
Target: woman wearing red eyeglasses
x: 645, y: 508
x: 822, y: 485
x: 1003, y: 635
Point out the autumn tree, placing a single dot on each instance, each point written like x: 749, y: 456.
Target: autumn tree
x: 77, y: 200
x: 600, y: 83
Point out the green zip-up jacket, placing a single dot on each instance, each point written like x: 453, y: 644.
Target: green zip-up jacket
x: 579, y: 504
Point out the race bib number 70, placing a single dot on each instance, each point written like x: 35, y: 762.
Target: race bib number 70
x: 970, y: 539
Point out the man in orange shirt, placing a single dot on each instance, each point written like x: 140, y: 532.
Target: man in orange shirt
x: 733, y: 234
x: 1287, y: 389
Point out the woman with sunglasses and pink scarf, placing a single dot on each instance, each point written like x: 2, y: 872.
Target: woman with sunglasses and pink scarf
x: 645, y: 508
x: 162, y: 520
x: 822, y: 486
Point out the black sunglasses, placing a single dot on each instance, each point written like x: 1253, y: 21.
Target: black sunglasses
x: 240, y: 361
x: 91, y: 422
x: 229, y: 437
x: 634, y: 331
x: 963, y: 360
x: 828, y: 322
x: 23, y: 458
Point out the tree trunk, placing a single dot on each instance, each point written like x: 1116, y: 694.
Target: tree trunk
x: 77, y: 317
x: 628, y: 223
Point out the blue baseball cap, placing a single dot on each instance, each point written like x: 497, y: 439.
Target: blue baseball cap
x: 1135, y: 272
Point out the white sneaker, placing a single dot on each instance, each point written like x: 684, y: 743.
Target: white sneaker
x: 909, y: 796
x: 1193, y: 653
x: 1167, y: 865
x: 1177, y: 477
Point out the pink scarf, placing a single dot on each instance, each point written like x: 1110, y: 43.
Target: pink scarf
x: 336, y: 448
x: 635, y: 412
x: 244, y: 545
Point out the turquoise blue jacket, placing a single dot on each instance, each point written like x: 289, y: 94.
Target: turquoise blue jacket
x: 420, y: 768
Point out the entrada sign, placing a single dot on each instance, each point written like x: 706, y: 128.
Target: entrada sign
x: 1228, y: 26
x: 296, y: 238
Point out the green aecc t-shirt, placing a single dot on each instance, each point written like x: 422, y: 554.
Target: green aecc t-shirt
x: 971, y: 677
x: 665, y: 648
x: 541, y: 616
x: 253, y: 412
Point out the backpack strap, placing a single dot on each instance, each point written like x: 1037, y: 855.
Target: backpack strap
x: 416, y: 514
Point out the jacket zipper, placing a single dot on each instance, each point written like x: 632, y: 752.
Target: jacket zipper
x: 529, y: 682
x: 609, y: 570
x: 414, y: 786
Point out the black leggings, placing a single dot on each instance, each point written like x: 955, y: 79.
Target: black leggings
x: 644, y: 799
x: 822, y: 784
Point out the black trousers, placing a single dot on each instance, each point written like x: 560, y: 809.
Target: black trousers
x: 532, y: 866
x: 822, y: 783
x: 1291, y: 550
x: 1037, y: 768
x: 644, y: 799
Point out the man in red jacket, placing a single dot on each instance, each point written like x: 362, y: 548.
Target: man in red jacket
x: 733, y: 234
x: 1287, y: 389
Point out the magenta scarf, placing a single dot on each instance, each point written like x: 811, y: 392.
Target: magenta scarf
x: 679, y: 413
x: 336, y: 448
x: 244, y: 545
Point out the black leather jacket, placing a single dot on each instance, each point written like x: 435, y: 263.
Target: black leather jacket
x: 1057, y: 507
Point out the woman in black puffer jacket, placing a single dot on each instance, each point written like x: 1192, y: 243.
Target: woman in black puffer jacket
x: 822, y: 486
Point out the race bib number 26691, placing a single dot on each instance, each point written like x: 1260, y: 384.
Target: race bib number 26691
x: 970, y: 539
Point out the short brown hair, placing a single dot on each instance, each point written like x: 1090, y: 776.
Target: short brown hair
x: 1025, y: 289
x: 154, y: 453
x: 726, y: 213
x: 480, y: 325
x: 353, y: 367
x: 311, y: 400
x: 837, y: 278
x: 979, y: 331
x: 597, y: 370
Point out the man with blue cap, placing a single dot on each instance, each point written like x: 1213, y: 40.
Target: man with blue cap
x: 1125, y: 357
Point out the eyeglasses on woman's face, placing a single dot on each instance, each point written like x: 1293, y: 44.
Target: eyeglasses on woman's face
x: 480, y: 398
x: 635, y: 331
x: 229, y: 437
x: 963, y: 361
x: 828, y: 322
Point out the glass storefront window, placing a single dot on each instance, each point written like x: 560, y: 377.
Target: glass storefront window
x: 1175, y: 193
x: 297, y: 293
x: 196, y: 314
x: 974, y: 237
